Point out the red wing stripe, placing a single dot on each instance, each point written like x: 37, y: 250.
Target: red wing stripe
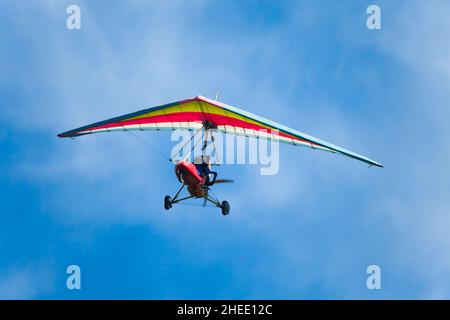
x: 218, y: 120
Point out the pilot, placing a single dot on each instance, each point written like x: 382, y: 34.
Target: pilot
x: 204, y: 170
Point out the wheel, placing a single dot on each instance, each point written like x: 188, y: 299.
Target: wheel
x: 167, y: 202
x: 225, y: 208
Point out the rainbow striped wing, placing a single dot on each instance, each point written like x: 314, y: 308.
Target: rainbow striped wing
x: 190, y: 114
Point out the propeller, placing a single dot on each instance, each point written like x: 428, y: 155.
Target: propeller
x: 206, y: 196
x: 224, y: 181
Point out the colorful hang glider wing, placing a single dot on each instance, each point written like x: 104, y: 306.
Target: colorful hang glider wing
x: 191, y: 114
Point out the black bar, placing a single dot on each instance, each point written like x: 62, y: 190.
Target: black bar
x: 225, y: 309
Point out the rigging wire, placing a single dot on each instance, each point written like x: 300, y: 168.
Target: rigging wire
x: 149, y: 145
x: 216, y: 154
x: 190, y: 140
x: 154, y: 149
x: 199, y: 140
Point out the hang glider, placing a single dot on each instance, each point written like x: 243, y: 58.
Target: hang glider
x: 194, y: 113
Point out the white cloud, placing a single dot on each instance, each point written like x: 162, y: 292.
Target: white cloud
x: 89, y: 76
x: 415, y: 197
x: 26, y: 282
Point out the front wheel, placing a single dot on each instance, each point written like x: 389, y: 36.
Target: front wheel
x: 167, y: 202
x: 225, y: 208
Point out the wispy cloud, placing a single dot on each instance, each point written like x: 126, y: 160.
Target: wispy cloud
x: 322, y: 218
x: 26, y: 281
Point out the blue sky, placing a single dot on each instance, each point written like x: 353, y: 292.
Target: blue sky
x: 308, y: 232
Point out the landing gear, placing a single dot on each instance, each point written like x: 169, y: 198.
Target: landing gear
x: 167, y: 202
x: 197, y: 192
x: 225, y: 208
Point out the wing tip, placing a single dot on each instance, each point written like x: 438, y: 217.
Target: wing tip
x: 68, y: 134
x: 376, y: 164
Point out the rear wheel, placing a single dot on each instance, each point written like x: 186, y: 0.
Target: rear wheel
x: 167, y: 202
x: 225, y: 208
